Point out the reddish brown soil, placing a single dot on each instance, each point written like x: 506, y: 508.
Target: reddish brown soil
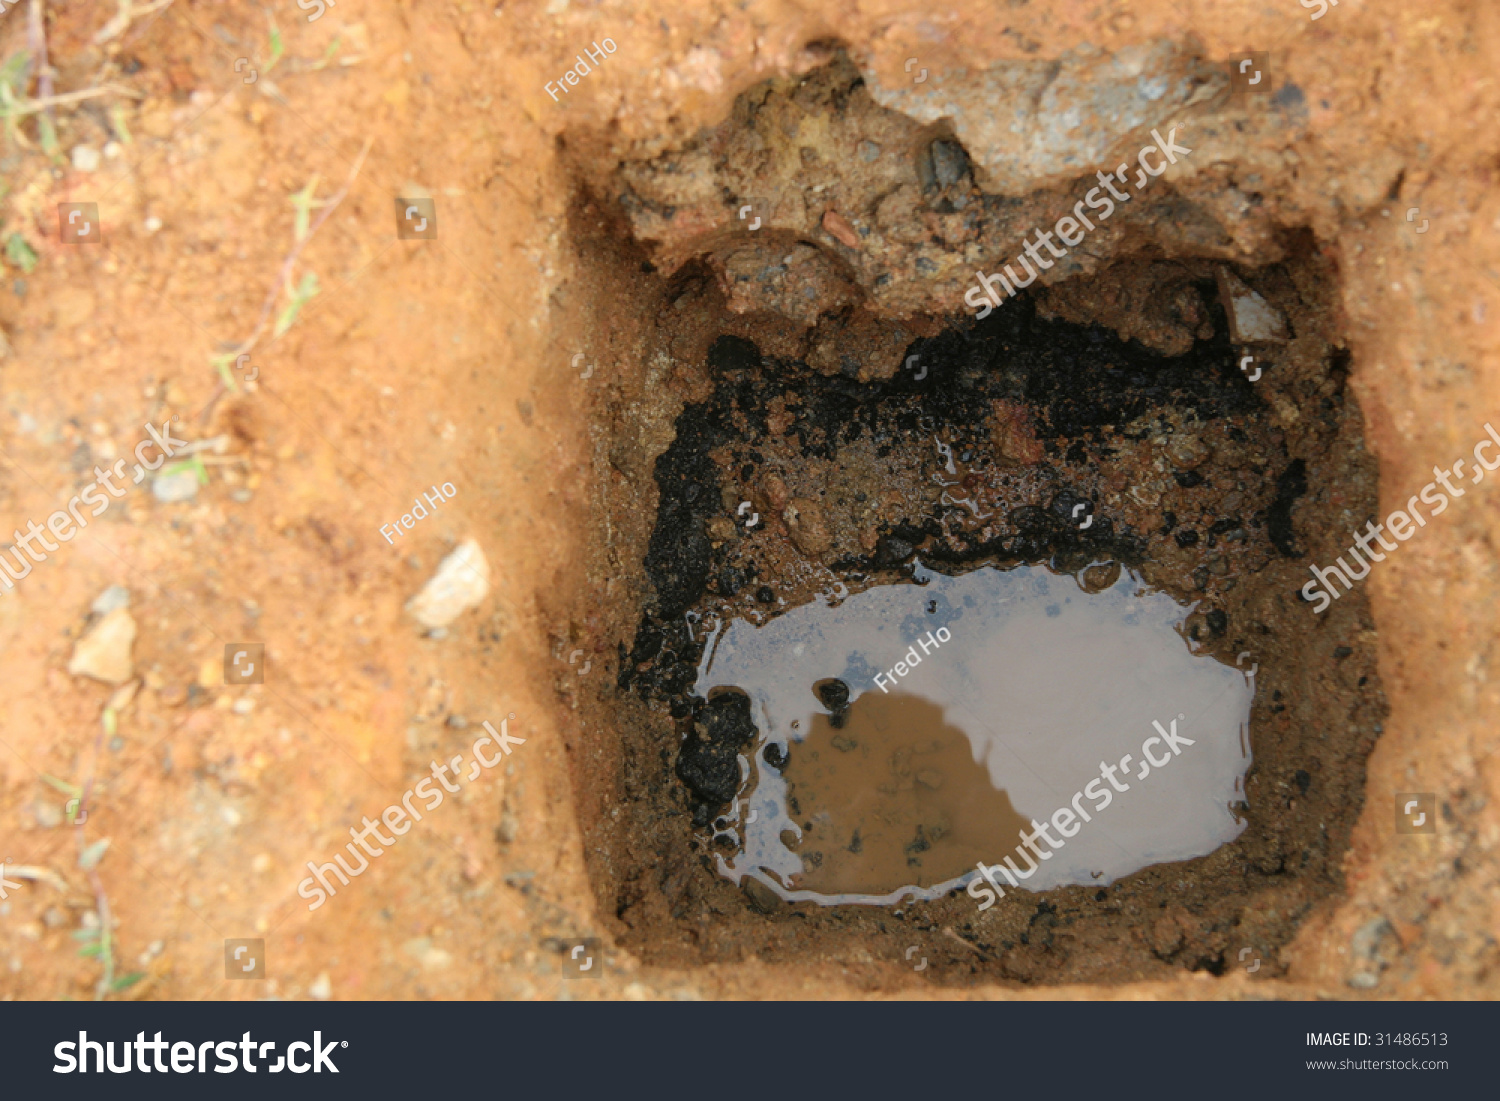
x: 423, y: 362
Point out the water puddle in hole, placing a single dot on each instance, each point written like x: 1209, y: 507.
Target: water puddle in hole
x: 1027, y: 687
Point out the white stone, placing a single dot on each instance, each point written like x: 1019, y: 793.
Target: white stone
x: 116, y: 596
x: 104, y: 652
x: 1252, y: 320
x: 181, y: 485
x: 321, y: 988
x: 462, y: 581
x: 428, y: 954
x: 86, y: 158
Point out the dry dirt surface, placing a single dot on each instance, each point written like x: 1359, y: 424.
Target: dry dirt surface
x: 347, y: 255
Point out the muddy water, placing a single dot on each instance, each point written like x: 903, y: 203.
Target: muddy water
x: 1031, y: 693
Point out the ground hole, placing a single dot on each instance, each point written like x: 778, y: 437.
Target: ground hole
x: 772, y: 442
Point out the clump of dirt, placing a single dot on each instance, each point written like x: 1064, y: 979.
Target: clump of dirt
x: 897, y: 205
x: 806, y: 441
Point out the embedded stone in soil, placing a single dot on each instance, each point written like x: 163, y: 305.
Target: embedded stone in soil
x: 1014, y: 689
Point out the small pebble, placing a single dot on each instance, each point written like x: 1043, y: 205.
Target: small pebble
x: 426, y: 953
x: 1187, y: 451
x: 48, y: 814
x: 761, y: 897
x: 457, y: 722
x: 104, y: 653
x: 85, y: 158
x: 321, y: 988
x: 171, y: 488
x: 506, y: 831
x: 116, y: 596
x: 243, y: 496
x: 151, y: 224
x: 112, y: 150
x: 461, y: 582
x: 120, y: 699
x: 244, y: 705
x: 1252, y: 320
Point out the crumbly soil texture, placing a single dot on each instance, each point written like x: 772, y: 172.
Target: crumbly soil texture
x: 775, y: 443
